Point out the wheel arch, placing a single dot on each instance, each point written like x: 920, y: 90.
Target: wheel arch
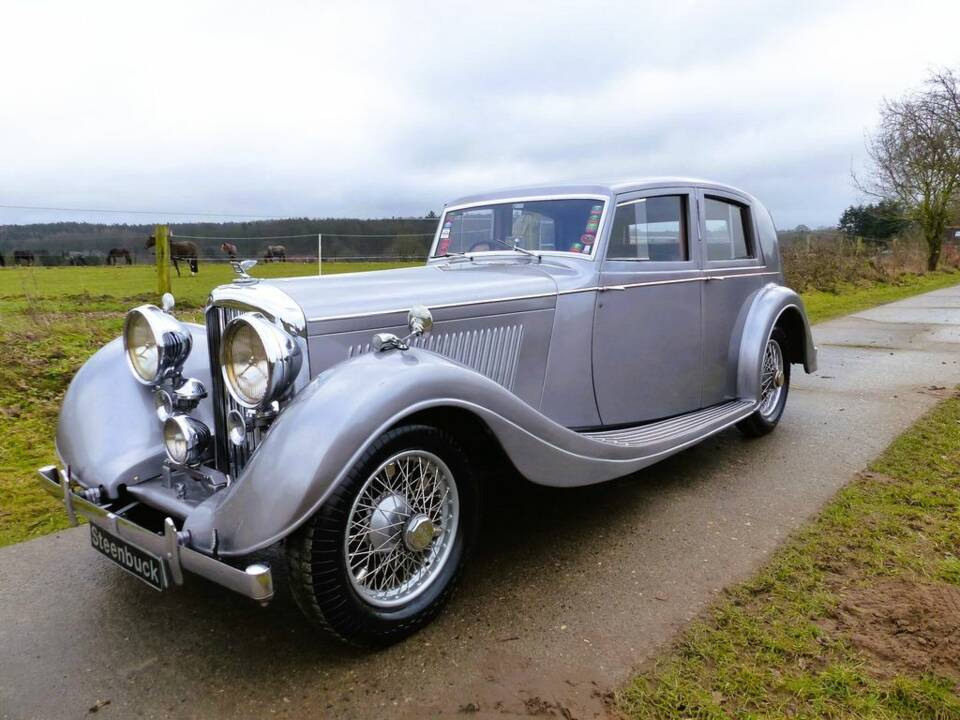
x: 469, y: 429
x: 791, y: 321
x: 773, y: 306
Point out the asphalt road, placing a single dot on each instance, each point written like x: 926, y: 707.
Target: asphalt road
x: 568, y: 592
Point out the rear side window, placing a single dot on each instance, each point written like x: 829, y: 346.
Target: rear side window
x: 729, y: 234
x: 653, y: 229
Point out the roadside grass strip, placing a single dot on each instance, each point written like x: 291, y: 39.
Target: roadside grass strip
x: 822, y: 305
x: 857, y: 616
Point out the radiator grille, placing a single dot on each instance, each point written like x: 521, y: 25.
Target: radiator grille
x: 229, y: 458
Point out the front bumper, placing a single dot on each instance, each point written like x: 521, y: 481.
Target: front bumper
x: 256, y: 582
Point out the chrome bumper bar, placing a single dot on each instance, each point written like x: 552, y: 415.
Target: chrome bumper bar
x: 256, y: 582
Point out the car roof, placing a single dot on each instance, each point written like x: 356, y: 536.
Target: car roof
x: 609, y: 188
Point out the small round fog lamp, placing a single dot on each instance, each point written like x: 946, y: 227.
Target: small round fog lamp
x: 185, y: 439
x: 163, y: 404
x: 236, y: 427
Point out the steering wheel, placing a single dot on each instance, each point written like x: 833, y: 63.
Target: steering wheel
x: 482, y: 246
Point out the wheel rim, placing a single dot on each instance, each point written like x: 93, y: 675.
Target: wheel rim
x: 772, y: 380
x: 401, y: 528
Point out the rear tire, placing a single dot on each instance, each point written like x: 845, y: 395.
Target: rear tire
x: 774, y: 384
x: 384, y: 552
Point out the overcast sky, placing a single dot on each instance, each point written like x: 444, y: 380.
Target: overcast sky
x: 362, y: 109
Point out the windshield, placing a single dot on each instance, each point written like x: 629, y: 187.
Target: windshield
x: 548, y: 225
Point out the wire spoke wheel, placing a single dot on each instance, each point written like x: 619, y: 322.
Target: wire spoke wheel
x: 401, y: 528
x: 772, y: 379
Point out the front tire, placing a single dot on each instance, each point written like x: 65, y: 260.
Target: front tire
x: 774, y: 387
x: 382, y: 555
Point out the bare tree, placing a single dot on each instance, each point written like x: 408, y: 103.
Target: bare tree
x: 915, y: 157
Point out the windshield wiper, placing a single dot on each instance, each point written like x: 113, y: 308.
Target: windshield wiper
x: 514, y: 246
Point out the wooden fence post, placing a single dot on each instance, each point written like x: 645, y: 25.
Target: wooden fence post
x: 162, y: 234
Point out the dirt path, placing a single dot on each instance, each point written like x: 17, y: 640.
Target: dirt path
x: 568, y: 591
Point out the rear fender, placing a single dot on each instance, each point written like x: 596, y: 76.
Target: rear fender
x: 773, y: 305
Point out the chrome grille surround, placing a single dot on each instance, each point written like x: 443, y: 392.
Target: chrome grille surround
x: 226, y: 303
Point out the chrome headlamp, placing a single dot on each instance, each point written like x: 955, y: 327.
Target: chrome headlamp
x: 156, y: 344
x: 185, y: 439
x: 259, y: 361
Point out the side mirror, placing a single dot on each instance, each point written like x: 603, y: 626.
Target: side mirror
x: 419, y: 320
x: 167, y: 302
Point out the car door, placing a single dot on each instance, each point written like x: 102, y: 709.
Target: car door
x: 733, y: 271
x: 647, y: 325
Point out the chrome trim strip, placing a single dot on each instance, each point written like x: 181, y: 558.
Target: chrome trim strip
x: 469, y: 303
x: 256, y: 582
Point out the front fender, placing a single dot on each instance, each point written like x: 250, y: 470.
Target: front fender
x: 108, y: 432
x: 773, y: 304
x: 323, y: 432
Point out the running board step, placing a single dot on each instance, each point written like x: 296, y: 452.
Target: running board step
x: 702, y: 422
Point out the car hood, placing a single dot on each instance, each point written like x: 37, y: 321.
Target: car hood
x: 383, y: 293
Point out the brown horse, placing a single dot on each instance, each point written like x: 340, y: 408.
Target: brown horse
x: 275, y: 253
x: 230, y: 249
x: 180, y: 250
x: 115, y: 254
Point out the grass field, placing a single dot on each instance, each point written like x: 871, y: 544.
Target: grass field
x: 52, y: 319
x: 855, y: 617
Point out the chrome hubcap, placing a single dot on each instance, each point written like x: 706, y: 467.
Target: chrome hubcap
x: 772, y: 379
x: 418, y: 533
x: 401, y: 528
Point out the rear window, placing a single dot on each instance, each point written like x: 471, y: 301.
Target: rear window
x: 729, y: 235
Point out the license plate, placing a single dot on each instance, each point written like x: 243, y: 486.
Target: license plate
x: 135, y: 561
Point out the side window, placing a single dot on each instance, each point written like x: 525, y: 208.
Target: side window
x: 653, y: 228
x: 729, y: 235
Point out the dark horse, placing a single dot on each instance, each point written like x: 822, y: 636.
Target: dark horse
x: 180, y: 250
x: 115, y: 254
x: 23, y: 257
x: 275, y: 253
x: 230, y: 249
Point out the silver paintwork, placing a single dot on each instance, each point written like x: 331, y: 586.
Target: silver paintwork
x: 582, y: 369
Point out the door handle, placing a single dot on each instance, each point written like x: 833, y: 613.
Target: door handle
x: 715, y: 277
x: 607, y: 288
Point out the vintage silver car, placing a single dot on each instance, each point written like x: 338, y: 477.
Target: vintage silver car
x: 568, y: 335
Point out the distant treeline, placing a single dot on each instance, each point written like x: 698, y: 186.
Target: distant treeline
x: 51, y: 243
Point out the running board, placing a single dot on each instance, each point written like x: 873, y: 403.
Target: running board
x: 682, y: 428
